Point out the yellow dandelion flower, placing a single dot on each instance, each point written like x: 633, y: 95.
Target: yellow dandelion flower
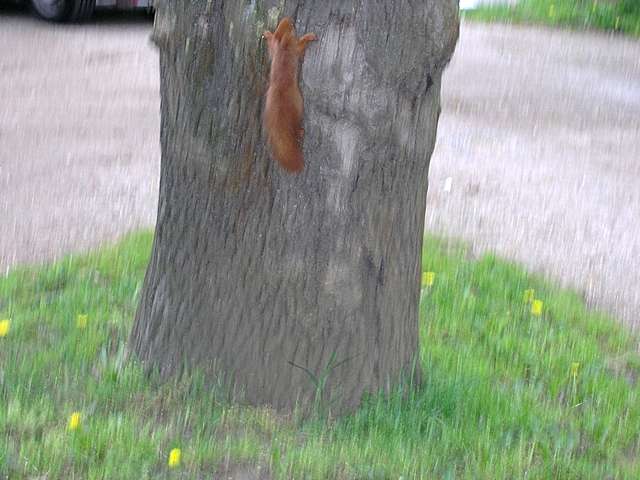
x: 74, y: 421
x: 428, y: 278
x: 174, y: 457
x: 574, y: 368
x: 81, y: 321
x: 5, y: 325
x: 536, y: 307
x: 529, y: 295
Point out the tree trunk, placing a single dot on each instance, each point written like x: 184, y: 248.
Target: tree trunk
x: 301, y: 287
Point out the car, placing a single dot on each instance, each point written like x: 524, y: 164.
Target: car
x: 78, y: 10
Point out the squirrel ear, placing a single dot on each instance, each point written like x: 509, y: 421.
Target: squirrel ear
x: 285, y: 25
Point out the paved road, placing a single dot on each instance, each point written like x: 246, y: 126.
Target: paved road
x: 539, y: 134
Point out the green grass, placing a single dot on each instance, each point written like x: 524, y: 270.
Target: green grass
x: 499, y: 400
x: 609, y: 15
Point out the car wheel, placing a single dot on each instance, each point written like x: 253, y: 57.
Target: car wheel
x: 55, y: 10
x: 82, y: 10
x: 62, y: 10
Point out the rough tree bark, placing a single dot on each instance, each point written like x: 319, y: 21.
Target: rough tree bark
x: 271, y: 279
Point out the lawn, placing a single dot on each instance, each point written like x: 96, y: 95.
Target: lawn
x: 521, y: 381
x: 609, y: 15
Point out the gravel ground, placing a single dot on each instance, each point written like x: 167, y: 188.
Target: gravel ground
x: 79, y: 129
x: 539, y: 136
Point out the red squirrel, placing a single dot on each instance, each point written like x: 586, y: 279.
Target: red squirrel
x: 283, y: 106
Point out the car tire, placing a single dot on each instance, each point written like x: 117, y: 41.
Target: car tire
x: 82, y: 10
x: 64, y: 10
x: 54, y: 10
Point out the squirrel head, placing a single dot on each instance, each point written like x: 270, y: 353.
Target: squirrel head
x: 282, y: 38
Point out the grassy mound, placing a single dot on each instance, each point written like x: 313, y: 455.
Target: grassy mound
x: 609, y: 15
x: 517, y: 384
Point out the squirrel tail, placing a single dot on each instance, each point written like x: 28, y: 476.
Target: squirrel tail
x: 284, y: 141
